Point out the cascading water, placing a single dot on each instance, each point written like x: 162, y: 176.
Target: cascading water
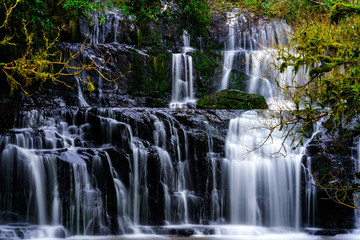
x: 172, y: 177
x: 182, y: 76
x: 263, y: 190
x: 131, y: 167
x: 229, y: 52
x: 216, y: 198
x: 35, y: 152
x: 272, y: 185
x: 104, y: 31
x: 250, y: 50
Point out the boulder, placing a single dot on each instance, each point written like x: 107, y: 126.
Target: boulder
x: 232, y: 99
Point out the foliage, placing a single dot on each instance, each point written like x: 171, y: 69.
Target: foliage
x: 232, y: 99
x: 290, y: 10
x: 206, y: 64
x: 195, y: 16
x: 30, y: 55
x: 156, y: 64
x: 331, y: 52
x: 159, y: 69
x: 338, y: 185
x: 142, y: 10
x: 190, y: 15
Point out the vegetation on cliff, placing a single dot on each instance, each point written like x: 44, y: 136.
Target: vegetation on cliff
x: 29, y: 54
x: 231, y: 99
x: 30, y: 31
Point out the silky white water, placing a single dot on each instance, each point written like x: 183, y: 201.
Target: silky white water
x: 182, y: 76
x: 229, y: 52
x: 264, y: 185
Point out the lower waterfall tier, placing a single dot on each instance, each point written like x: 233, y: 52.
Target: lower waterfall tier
x: 101, y: 171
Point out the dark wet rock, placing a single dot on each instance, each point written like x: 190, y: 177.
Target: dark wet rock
x: 183, y: 232
x: 327, y: 232
x: 313, y: 149
x: 231, y: 99
x: 155, y: 102
x: 60, y: 233
x: 191, y: 105
x: 9, y: 217
x: 331, y: 161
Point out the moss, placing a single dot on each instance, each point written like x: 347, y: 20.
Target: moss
x: 159, y: 69
x: 149, y: 74
x: 341, y: 10
x: 138, y: 76
x: 237, y: 80
x: 231, y: 99
x: 322, y: 168
x: 206, y: 63
x: 326, y: 67
x: 338, y: 149
x: 149, y: 34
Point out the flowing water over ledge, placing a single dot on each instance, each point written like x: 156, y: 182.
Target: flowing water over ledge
x: 148, y: 174
x: 103, y: 171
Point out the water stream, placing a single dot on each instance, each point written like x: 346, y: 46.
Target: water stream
x: 182, y: 76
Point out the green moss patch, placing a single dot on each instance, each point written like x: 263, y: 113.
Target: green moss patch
x: 232, y: 99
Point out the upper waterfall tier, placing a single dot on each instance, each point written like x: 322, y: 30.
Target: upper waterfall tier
x: 182, y: 76
x: 250, y: 49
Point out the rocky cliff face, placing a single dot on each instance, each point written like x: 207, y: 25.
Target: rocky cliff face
x: 333, y: 161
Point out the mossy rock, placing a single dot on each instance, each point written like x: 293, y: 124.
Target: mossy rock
x: 232, y: 99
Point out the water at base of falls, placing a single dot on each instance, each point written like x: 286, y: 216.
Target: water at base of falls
x: 174, y: 233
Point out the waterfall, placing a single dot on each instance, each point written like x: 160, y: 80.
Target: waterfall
x: 229, y: 52
x: 172, y: 178
x: 138, y: 194
x: 251, y: 50
x: 100, y: 84
x: 121, y: 192
x: 34, y: 155
x: 182, y: 76
x: 82, y: 58
x: 310, y: 184
x: 98, y: 171
x: 117, y: 19
x: 167, y: 170
x: 82, y: 101
x: 215, y: 160
x: 264, y: 189
x: 104, y: 31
